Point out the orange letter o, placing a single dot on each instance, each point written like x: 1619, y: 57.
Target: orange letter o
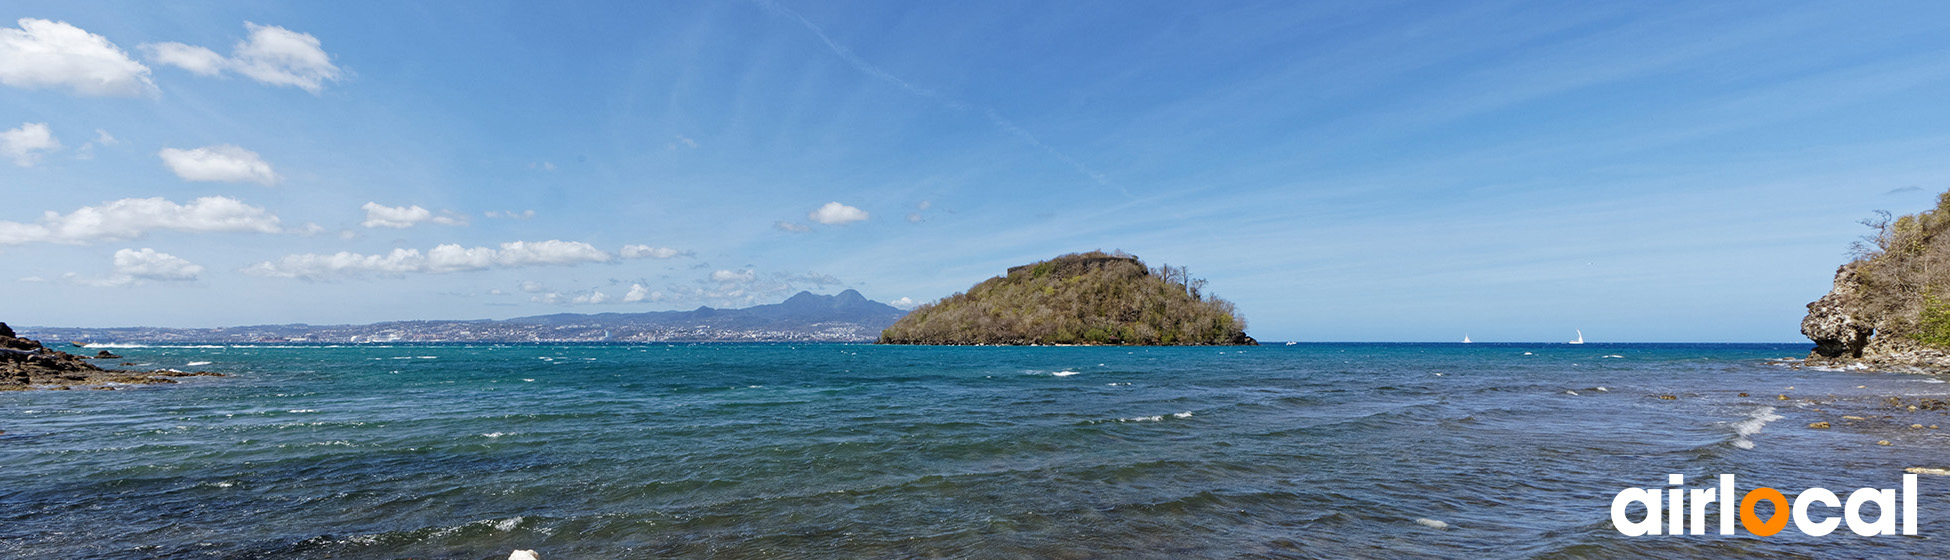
x: 1752, y: 522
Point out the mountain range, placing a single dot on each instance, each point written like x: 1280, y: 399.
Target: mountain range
x: 843, y: 317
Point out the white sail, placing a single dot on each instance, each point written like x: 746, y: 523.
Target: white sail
x: 1466, y: 339
x: 1580, y: 339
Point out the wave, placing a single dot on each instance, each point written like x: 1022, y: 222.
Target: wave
x: 1751, y: 425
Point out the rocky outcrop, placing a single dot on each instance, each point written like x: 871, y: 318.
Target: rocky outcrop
x: 1845, y: 334
x: 26, y: 364
x: 1833, y: 321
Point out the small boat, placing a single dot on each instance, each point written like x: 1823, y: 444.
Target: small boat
x: 1290, y: 343
x: 78, y: 344
x: 1466, y: 340
x: 1580, y: 339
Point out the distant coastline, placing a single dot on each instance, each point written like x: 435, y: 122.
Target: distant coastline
x: 805, y: 317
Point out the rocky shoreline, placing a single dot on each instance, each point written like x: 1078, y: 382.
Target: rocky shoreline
x: 1846, y: 336
x: 27, y: 364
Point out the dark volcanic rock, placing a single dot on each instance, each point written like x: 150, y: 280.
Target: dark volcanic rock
x: 105, y: 355
x: 26, y: 364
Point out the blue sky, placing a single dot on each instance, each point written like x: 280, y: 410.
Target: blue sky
x: 1677, y: 171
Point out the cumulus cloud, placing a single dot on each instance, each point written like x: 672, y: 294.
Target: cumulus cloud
x: 133, y: 266
x: 27, y: 143
x: 148, y: 264
x: 271, y: 55
x: 648, y: 252
x: 130, y: 218
x: 590, y: 298
x: 905, y: 303
x: 222, y: 162
x: 639, y: 292
x: 441, y: 259
x: 793, y: 227
x: 382, y: 216
x: 834, y: 213
x: 53, y: 54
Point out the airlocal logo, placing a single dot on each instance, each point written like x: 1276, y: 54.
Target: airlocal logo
x: 1682, y: 512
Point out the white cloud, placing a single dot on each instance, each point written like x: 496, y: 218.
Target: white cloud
x: 378, y: 216
x: 639, y: 292
x: 147, y: 264
x: 905, y: 303
x: 130, y: 218
x: 104, y: 138
x: 834, y: 213
x: 271, y: 55
x: 590, y: 298
x: 197, y: 60
x: 27, y: 143
x: 745, y: 275
x: 533, y: 287
x: 914, y: 217
x: 512, y: 215
x: 222, y: 162
x: 551, y: 252
x: 54, y: 54
x: 924, y: 205
x: 382, y: 216
x: 646, y: 251
x: 793, y: 227
x: 441, y: 259
x: 134, y: 266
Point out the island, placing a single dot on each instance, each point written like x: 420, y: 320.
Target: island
x: 1092, y: 298
x: 1890, y: 306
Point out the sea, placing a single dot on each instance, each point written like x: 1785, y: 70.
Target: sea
x: 1317, y: 450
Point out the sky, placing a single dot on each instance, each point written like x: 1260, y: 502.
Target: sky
x: 1342, y: 171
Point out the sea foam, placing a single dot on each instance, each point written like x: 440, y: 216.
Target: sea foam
x: 1751, y: 425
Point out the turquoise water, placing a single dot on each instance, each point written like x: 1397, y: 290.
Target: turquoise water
x: 859, y: 451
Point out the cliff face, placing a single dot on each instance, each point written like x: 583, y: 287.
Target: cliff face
x: 1083, y: 298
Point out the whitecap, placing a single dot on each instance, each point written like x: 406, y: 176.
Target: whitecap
x: 301, y: 410
x: 528, y: 379
x: 1752, y: 425
x: 1064, y: 373
x: 194, y: 364
x: 1431, y: 523
x: 1186, y: 414
x: 497, y: 434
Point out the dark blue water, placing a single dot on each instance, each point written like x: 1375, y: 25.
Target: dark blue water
x: 855, y: 451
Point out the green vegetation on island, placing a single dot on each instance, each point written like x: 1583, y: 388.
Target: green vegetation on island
x: 1079, y: 298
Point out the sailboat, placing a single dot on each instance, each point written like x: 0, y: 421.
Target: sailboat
x: 1466, y: 339
x: 1580, y: 339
